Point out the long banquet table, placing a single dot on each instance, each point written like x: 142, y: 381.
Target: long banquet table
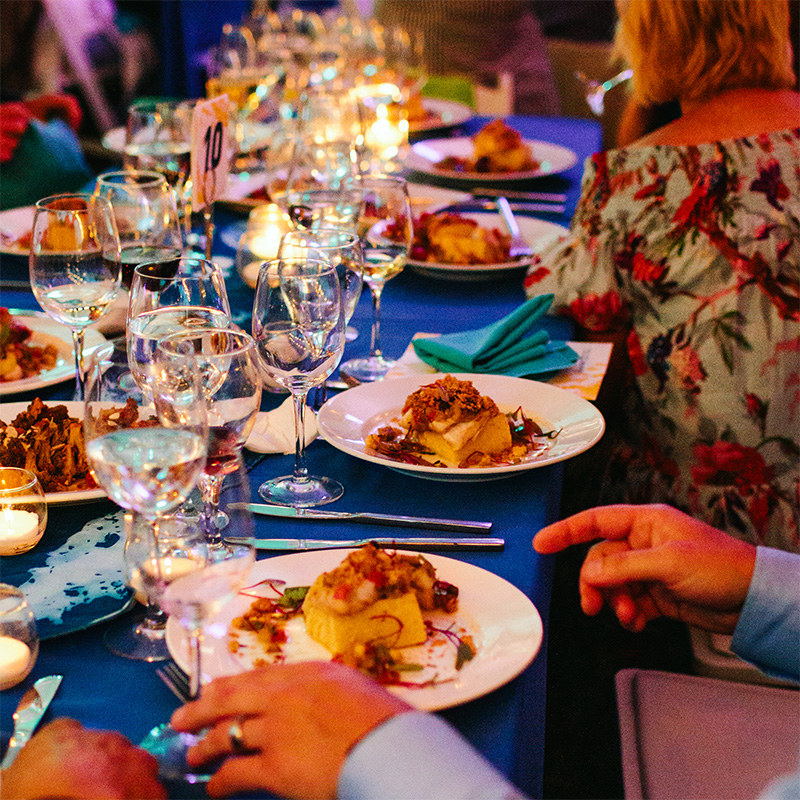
x: 507, y: 725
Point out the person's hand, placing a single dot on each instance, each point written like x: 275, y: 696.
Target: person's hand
x: 656, y: 561
x: 14, y: 119
x: 299, y: 721
x: 67, y: 761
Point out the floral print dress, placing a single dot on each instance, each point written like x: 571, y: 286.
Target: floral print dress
x: 697, y: 249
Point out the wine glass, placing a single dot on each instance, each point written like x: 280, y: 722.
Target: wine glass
x: 298, y: 325
x: 595, y: 90
x: 147, y: 459
x: 75, y: 264
x: 192, y: 600
x: 385, y: 227
x: 146, y: 214
x: 227, y: 364
x: 158, y: 137
x: 156, y: 553
x: 187, y: 294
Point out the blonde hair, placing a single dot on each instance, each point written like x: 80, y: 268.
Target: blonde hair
x: 693, y: 49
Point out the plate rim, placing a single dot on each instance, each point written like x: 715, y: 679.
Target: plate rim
x: 522, y: 219
x: 454, y: 474
x: 416, y: 163
x: 59, y: 373
x: 464, y: 113
x: 7, y: 212
x: 433, y: 698
x: 75, y: 409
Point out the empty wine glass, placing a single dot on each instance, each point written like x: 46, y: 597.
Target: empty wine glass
x: 227, y: 365
x: 147, y: 460
x: 146, y: 213
x: 187, y: 294
x: 75, y: 264
x: 298, y: 325
x: 385, y: 228
x: 192, y: 600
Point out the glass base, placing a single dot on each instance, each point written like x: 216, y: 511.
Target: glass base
x: 137, y: 641
x: 169, y: 747
x: 350, y: 334
x: 287, y: 491
x: 365, y: 370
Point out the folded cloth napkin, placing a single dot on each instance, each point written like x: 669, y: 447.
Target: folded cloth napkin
x: 506, y: 347
x: 274, y: 430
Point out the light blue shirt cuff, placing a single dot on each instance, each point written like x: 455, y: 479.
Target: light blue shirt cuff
x: 768, y: 631
x: 416, y: 755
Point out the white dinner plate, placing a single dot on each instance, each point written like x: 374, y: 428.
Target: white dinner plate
x: 441, y: 115
x: 48, y: 331
x: 538, y: 233
x: 347, y: 419
x: 15, y: 222
x: 74, y: 409
x: 504, y: 623
x: 424, y: 155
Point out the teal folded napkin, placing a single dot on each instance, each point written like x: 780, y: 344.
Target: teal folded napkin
x: 507, y: 347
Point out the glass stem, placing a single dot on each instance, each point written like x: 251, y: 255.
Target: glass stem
x: 300, y: 468
x: 375, y: 341
x: 210, y: 487
x: 77, y: 348
x: 195, y: 662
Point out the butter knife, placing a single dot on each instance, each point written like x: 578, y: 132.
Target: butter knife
x: 368, y: 518
x: 406, y: 543
x: 29, y: 713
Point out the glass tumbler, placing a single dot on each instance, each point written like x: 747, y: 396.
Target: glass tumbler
x: 23, y: 511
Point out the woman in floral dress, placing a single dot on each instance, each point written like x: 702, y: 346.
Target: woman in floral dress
x: 689, y: 240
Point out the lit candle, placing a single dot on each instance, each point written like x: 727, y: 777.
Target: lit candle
x: 17, y: 529
x: 15, y: 659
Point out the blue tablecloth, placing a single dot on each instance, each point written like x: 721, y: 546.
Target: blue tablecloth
x: 105, y: 691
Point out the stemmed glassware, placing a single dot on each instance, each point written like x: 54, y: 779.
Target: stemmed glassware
x: 298, y: 325
x: 146, y: 213
x: 192, y: 600
x: 385, y: 228
x: 187, y: 294
x: 148, y: 460
x: 341, y: 248
x: 226, y: 363
x: 75, y: 264
x: 158, y: 137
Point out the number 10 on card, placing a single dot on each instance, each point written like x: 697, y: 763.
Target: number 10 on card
x: 211, y: 158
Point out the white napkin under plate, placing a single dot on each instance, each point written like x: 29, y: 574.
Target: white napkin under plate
x: 274, y: 430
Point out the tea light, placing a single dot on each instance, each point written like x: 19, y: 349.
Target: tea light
x: 15, y: 657
x: 261, y: 241
x: 23, y: 511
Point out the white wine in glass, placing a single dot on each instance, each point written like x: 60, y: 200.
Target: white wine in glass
x: 75, y: 264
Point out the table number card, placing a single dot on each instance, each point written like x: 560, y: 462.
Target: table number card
x: 210, y: 151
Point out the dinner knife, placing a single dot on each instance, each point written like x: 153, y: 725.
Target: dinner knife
x: 491, y: 205
x: 368, y: 518
x: 29, y: 713
x: 542, y: 197
x: 406, y: 543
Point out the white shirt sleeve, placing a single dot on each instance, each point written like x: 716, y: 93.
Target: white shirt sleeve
x: 768, y: 631
x: 416, y: 755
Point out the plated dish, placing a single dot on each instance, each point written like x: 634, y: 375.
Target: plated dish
x: 507, y: 629
x: 538, y: 233
x: 425, y: 155
x: 346, y: 420
x: 16, y: 225
x: 48, y: 331
x: 440, y: 115
x: 75, y: 409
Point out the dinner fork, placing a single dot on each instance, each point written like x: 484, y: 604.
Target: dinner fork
x: 519, y: 247
x: 176, y: 680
